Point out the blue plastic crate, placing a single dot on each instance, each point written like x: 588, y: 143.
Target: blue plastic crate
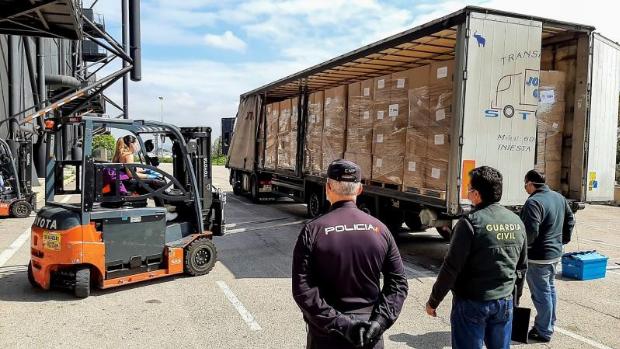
x: 584, y: 265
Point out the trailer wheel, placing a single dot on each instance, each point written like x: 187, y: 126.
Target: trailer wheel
x: 21, y: 209
x: 200, y: 257
x: 236, y: 184
x: 31, y: 279
x: 81, y: 289
x: 393, y: 219
x: 315, y: 204
x: 445, y: 232
x: 254, y: 194
x: 413, y: 221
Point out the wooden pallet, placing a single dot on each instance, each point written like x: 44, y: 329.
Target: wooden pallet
x: 384, y: 185
x: 439, y: 194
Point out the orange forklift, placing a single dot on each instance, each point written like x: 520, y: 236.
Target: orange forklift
x: 124, y: 229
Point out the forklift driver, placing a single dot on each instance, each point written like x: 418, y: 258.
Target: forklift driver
x: 126, y: 147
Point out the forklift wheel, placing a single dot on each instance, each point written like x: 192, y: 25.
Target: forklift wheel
x: 82, y: 282
x: 200, y: 257
x: 31, y: 279
x: 21, y: 209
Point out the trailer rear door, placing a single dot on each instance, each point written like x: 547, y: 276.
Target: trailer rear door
x: 501, y: 97
x: 603, y: 119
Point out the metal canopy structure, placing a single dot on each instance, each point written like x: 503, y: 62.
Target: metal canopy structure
x: 45, y: 18
x: 422, y: 45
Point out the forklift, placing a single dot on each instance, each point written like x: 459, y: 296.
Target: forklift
x: 16, y: 196
x: 120, y: 231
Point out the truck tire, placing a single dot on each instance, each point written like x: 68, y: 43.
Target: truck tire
x: 315, y: 204
x: 236, y: 184
x: 254, y: 193
x: 200, y: 257
x: 81, y: 289
x: 413, y: 221
x: 393, y: 219
x: 31, y: 279
x: 445, y: 232
x: 21, y: 209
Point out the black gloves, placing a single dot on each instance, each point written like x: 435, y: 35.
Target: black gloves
x: 373, y: 332
x: 355, y: 333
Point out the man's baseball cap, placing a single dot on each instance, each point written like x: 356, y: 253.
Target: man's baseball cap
x: 344, y: 171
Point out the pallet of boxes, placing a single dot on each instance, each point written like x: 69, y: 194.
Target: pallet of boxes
x: 550, y: 126
x: 398, y: 129
x: 281, y: 135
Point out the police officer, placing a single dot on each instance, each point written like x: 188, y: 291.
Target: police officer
x: 487, y: 253
x: 337, y: 263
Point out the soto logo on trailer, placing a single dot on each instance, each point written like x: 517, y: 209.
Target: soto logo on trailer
x: 516, y: 95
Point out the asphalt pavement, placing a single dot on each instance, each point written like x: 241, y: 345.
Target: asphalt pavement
x: 245, y: 302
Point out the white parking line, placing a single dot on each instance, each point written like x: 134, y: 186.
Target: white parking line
x: 245, y: 314
x: 241, y: 230
x: 10, y: 251
x: 581, y: 338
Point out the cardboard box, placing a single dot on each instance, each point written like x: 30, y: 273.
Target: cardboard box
x: 387, y: 169
x: 552, y: 86
x: 399, y: 86
x: 284, y: 120
x: 442, y: 73
x: 436, y: 175
x: 367, y: 114
x: 380, y: 114
x: 414, y: 172
x: 364, y: 161
x: 388, y: 141
x: 271, y: 148
x: 354, y: 105
x: 284, y: 154
x: 359, y: 140
x: 440, y: 106
x: 438, y: 143
x: 419, y: 107
x: 334, y: 120
x: 419, y: 77
x: 551, y: 144
x: 382, y: 89
x: 553, y: 174
x: 416, y: 143
x: 313, y: 158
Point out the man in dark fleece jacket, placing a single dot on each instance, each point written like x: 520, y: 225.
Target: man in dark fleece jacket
x: 487, y: 254
x: 549, y: 224
x: 337, y: 264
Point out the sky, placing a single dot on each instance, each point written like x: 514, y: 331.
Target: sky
x: 201, y: 55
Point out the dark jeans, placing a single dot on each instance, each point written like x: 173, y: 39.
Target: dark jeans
x: 477, y: 322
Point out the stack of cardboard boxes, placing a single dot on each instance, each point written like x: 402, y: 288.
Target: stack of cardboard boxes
x: 284, y: 139
x: 313, y: 158
x: 440, y: 120
x: 428, y: 132
x: 396, y: 127
x: 359, y: 126
x: 334, y: 125
x: 287, y: 135
x: 272, y: 113
x: 550, y: 119
x: 390, y: 127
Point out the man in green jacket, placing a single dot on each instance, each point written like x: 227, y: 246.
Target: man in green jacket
x: 487, y: 254
x: 549, y: 224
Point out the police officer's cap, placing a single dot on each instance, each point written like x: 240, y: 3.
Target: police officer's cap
x: 344, y: 171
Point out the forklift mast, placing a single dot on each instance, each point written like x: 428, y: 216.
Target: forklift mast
x: 198, y: 140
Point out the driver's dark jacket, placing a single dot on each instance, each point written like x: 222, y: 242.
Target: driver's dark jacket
x: 337, y: 264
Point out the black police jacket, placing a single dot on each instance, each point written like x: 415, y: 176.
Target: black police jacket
x: 337, y: 264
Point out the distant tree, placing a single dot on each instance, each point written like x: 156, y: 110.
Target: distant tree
x: 216, y: 149
x: 104, y: 141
